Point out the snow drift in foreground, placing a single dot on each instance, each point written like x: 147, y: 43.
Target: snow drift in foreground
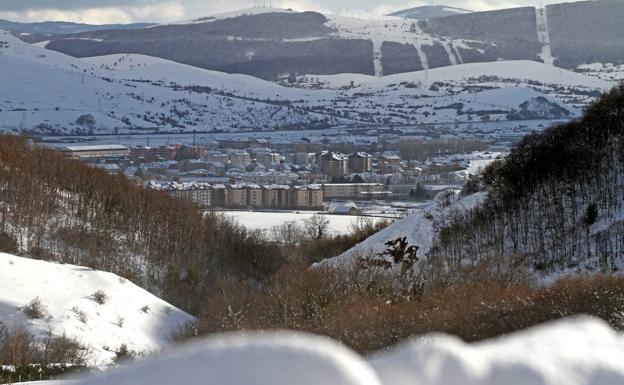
x: 129, y: 315
x: 579, y: 351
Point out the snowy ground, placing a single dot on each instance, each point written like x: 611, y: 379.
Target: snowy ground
x: 581, y: 351
x: 265, y: 221
x: 130, y: 315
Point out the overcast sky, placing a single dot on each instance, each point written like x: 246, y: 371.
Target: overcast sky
x: 125, y: 11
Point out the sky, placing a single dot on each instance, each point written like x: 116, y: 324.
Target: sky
x: 126, y: 11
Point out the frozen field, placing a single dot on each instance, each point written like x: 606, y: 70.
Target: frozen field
x: 265, y: 221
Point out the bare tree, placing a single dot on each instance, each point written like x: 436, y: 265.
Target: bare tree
x: 316, y: 226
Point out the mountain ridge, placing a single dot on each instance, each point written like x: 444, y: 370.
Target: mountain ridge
x: 277, y: 43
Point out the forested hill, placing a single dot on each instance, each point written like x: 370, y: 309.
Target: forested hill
x: 59, y: 209
x: 556, y: 200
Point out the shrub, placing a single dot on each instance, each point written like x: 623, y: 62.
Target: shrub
x: 99, y: 297
x: 66, y: 350
x: 124, y: 354
x: 8, y: 244
x: 35, y: 309
x: 368, y: 313
x: 80, y: 314
x: 184, y: 332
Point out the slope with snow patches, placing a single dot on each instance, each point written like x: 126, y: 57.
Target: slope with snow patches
x: 129, y: 315
x: 581, y: 351
x: 46, y: 91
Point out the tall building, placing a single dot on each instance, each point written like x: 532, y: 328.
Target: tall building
x: 360, y: 162
x: 240, y: 159
x: 333, y: 164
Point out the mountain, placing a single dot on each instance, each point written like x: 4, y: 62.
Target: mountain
x: 429, y: 12
x: 273, y: 44
x: 63, y: 27
x: 127, y: 315
x: 553, y: 206
x: 48, y: 91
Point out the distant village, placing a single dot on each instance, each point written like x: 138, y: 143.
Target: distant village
x: 257, y: 174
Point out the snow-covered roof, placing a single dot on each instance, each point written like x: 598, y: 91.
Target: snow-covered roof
x: 107, y: 147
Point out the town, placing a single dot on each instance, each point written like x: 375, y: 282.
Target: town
x: 256, y: 174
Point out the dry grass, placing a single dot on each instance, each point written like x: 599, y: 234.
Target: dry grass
x: 365, y: 314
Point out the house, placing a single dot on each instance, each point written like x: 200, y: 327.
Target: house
x: 349, y: 208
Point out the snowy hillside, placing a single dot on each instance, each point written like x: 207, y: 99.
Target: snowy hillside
x: 47, y: 92
x: 127, y: 315
x: 581, y: 351
x: 419, y: 228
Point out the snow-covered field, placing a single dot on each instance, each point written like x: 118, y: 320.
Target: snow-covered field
x: 129, y: 314
x: 582, y: 351
x: 265, y: 221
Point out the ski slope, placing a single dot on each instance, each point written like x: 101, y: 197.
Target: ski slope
x: 130, y: 315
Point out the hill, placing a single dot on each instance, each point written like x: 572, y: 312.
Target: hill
x: 128, y: 315
x: 62, y: 27
x: 273, y: 44
x: 48, y: 91
x: 60, y: 209
x: 429, y: 11
x: 554, y: 205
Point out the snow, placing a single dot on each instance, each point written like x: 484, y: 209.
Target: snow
x: 50, y: 91
x: 66, y: 290
x: 479, y: 161
x: 580, y: 351
x: 576, y: 351
x: 237, y: 13
x: 544, y: 36
x: 246, y: 359
x: 265, y: 221
x: 419, y: 229
x: 512, y: 69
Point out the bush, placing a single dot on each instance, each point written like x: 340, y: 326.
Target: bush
x: 366, y: 312
x: 66, y: 350
x: 80, y: 314
x: 35, y: 309
x: 8, y: 244
x: 99, y: 297
x: 124, y: 355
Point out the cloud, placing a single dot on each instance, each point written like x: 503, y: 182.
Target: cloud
x: 125, y: 11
